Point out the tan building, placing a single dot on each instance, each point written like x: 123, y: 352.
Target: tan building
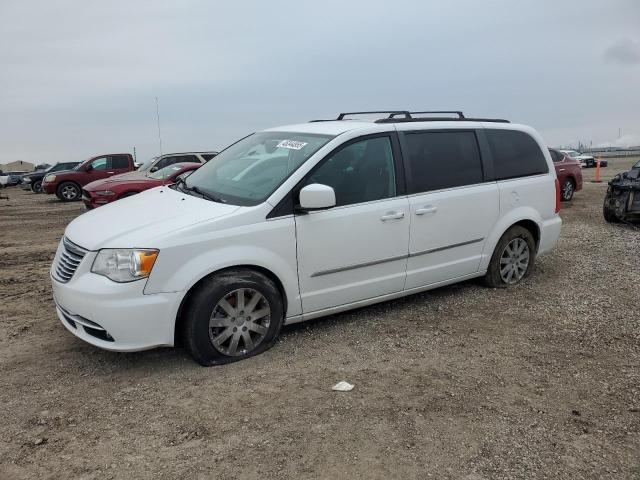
x: 17, y: 166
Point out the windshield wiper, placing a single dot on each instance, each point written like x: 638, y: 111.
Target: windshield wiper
x: 194, y: 189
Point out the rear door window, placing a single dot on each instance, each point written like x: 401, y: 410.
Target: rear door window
x: 119, y: 161
x: 445, y: 159
x: 515, y: 154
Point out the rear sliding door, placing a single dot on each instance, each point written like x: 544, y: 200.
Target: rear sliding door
x: 452, y: 207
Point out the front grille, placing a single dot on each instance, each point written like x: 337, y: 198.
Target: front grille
x: 70, y: 257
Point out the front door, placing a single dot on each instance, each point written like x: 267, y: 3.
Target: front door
x: 358, y: 249
x: 99, y: 168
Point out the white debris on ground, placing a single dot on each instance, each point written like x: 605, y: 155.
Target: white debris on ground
x: 342, y: 387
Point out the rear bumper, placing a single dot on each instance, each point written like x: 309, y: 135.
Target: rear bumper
x: 549, y: 234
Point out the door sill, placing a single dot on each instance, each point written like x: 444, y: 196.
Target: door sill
x: 382, y: 298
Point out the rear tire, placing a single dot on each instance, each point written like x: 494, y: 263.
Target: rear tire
x: 231, y: 316
x: 68, y: 192
x: 567, y: 190
x: 512, y: 259
x: 36, y: 187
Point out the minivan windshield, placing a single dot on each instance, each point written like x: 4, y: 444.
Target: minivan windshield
x: 250, y: 170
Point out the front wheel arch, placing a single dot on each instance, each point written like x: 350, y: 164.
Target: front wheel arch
x: 266, y: 272
x: 61, y: 184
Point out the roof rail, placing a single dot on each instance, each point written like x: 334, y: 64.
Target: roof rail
x: 396, y: 116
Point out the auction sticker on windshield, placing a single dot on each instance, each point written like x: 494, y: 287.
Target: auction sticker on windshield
x: 291, y: 144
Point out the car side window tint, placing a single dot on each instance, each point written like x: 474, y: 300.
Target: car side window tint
x: 100, y: 163
x: 119, y: 161
x: 171, y: 160
x: 438, y: 160
x: 515, y: 154
x: 556, y: 156
x: 360, y: 172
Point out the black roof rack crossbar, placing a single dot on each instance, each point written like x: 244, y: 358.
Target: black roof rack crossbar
x: 392, y: 113
x: 454, y: 112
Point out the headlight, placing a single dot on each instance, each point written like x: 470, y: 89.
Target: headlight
x: 104, y: 193
x: 124, y: 265
x: 49, y: 178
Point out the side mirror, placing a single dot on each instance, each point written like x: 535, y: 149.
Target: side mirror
x: 153, y: 169
x: 88, y: 168
x: 317, y: 197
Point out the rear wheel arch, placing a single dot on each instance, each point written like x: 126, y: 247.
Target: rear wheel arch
x: 255, y: 268
x: 530, y: 225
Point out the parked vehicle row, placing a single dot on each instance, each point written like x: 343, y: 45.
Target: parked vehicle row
x: 33, y: 181
x: 302, y: 221
x: 68, y: 185
x: 587, y: 161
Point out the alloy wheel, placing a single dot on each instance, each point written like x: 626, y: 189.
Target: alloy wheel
x: 567, y: 190
x: 69, y: 192
x: 239, y: 322
x: 514, y: 261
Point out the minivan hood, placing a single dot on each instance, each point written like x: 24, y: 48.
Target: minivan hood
x: 140, y: 221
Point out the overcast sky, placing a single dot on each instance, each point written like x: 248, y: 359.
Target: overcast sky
x: 79, y: 78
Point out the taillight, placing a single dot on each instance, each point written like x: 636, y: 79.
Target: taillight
x: 557, y: 196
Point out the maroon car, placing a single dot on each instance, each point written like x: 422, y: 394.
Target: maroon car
x: 569, y: 173
x: 67, y: 185
x: 109, y: 190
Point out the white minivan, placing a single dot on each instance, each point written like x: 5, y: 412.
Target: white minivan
x: 298, y: 222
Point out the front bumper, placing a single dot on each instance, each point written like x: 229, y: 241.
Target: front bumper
x: 114, y: 316
x: 92, y: 201
x: 49, y: 188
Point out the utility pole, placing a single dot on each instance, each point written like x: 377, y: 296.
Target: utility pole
x: 134, y: 154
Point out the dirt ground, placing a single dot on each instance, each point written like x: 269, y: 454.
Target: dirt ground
x: 538, y: 381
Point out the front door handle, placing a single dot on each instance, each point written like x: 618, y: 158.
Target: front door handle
x: 392, y: 216
x: 427, y: 209
x: 561, y: 170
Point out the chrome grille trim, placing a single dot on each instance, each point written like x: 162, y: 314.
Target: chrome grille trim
x: 67, y: 262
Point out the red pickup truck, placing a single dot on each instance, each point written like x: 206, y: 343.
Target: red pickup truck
x: 67, y: 185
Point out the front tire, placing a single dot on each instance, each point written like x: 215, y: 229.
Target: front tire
x: 231, y: 316
x: 512, y: 259
x: 68, y: 192
x: 609, y: 213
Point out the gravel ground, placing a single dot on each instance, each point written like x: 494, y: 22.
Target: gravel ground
x: 538, y: 381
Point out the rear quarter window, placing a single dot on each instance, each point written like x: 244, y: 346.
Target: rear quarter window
x: 515, y: 154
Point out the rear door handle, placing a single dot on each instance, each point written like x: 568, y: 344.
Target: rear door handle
x: 111, y: 172
x: 561, y: 169
x: 392, y: 216
x: 427, y: 209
